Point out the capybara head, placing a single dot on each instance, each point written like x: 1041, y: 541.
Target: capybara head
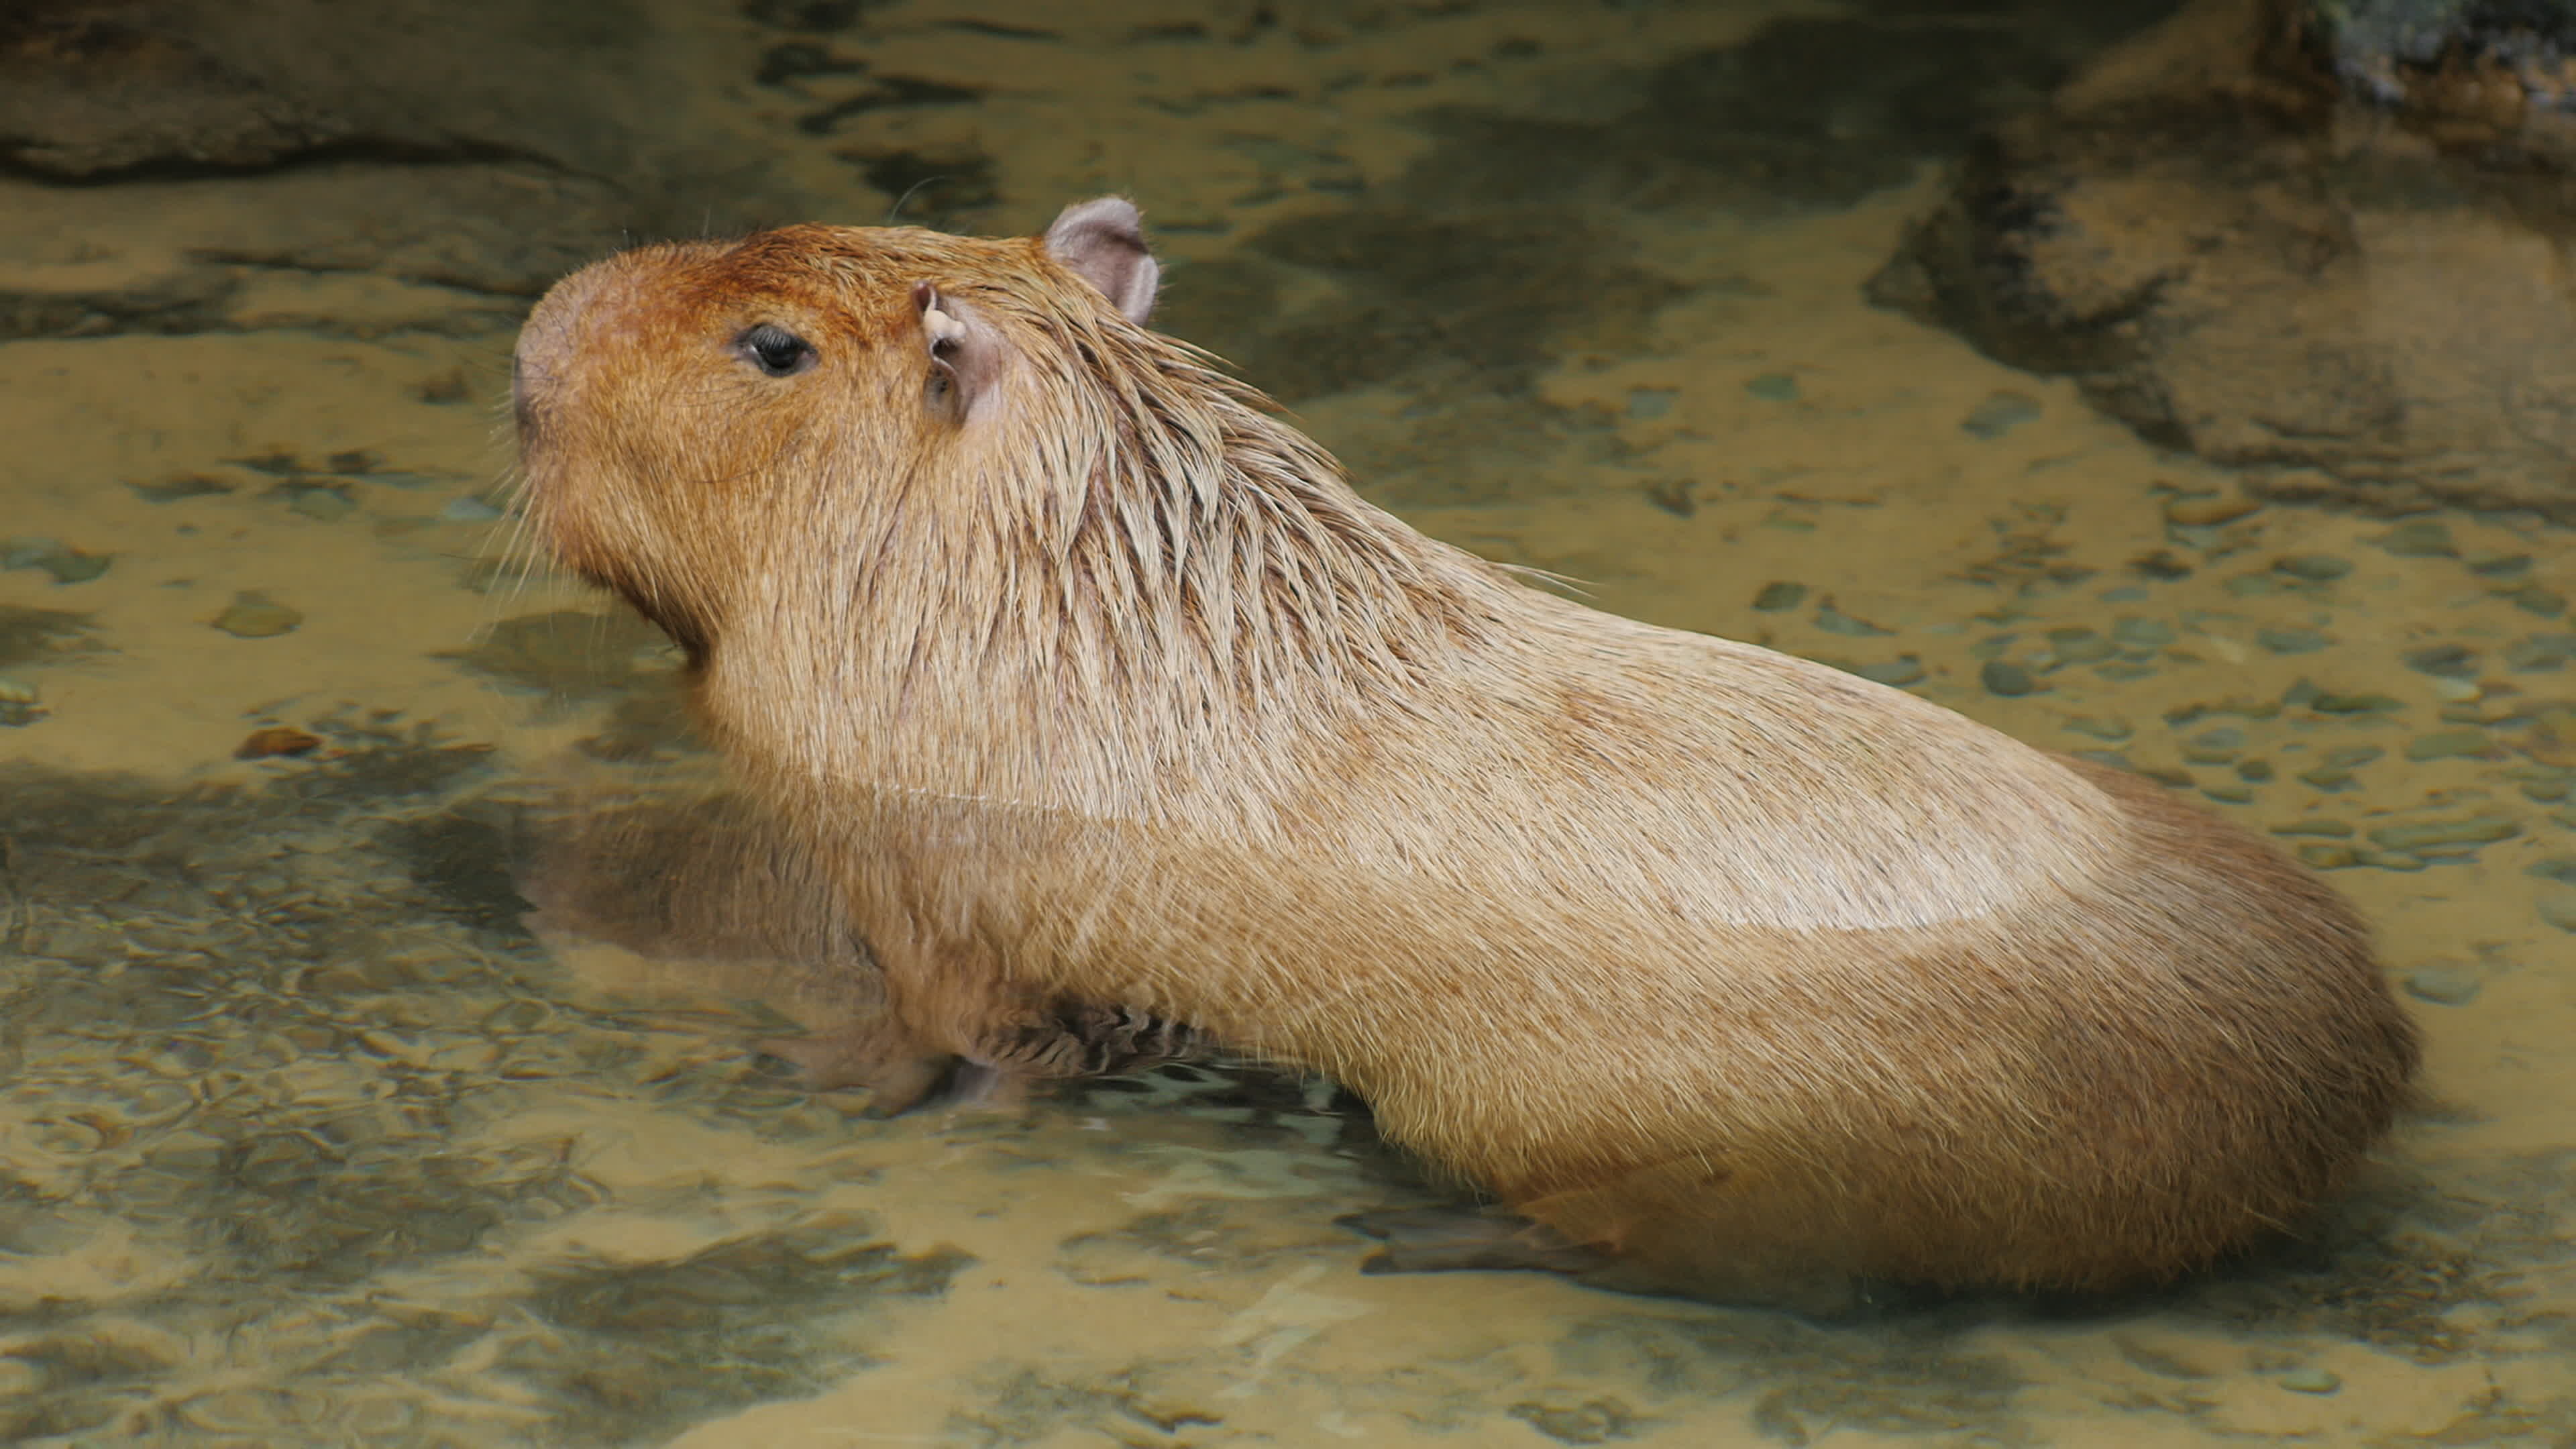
x: 705, y: 423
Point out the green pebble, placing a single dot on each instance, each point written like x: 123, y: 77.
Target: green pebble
x: 2444, y: 985
x: 2178, y: 779
x: 2447, y: 745
x: 2254, y: 771
x: 1999, y: 414
x: 2253, y: 586
x: 2309, y: 1381
x: 253, y: 615
x: 2424, y: 538
x: 2533, y: 599
x: 2006, y: 679
x: 2545, y: 792
x: 2112, y: 758
x: 2443, y: 661
x: 2220, y: 737
x: 1835, y: 621
x: 2327, y: 778
x: 2470, y: 830
x: 2327, y: 702
x: 2109, y: 727
x: 2559, y: 868
x: 71, y: 566
x: 2319, y: 855
x: 2232, y: 793
x: 2501, y: 565
x: 2292, y: 640
x: 2558, y: 908
x: 1901, y: 671
x: 2141, y: 633
x: 2080, y: 646
x: 2323, y: 825
x: 2314, y: 567
x: 1778, y: 597
x: 1773, y: 387
x: 2540, y: 653
x: 2390, y: 860
x: 328, y: 505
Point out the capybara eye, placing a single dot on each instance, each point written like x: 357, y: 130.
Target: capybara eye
x: 775, y: 350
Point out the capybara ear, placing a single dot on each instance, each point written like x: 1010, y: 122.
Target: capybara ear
x: 1104, y: 240
x: 965, y: 354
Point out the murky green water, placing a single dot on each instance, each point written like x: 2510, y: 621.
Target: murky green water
x: 307, y: 1138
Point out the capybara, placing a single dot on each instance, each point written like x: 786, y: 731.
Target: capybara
x: 1093, y: 679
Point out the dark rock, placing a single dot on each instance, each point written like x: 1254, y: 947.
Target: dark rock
x: 476, y: 145
x: 2233, y: 256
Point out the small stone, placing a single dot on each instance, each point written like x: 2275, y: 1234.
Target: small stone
x: 325, y: 505
x: 2292, y: 640
x: 2146, y: 635
x: 2533, y: 599
x: 2322, y: 855
x: 1835, y: 621
x: 2006, y: 679
x: 2079, y: 646
x: 2000, y: 413
x: 2546, y: 792
x: 2208, y: 512
x: 1899, y: 672
x: 2325, y: 826
x: 2314, y: 567
x: 2111, y: 727
x: 253, y: 615
x: 2328, y: 702
x: 2254, y: 772
x: 178, y: 486
x: 1779, y: 597
x: 2112, y: 758
x: 2328, y: 778
x: 276, y: 740
x: 2309, y: 1381
x: 2444, y: 983
x: 72, y: 566
x: 2447, y: 745
x: 1773, y: 387
x: 2390, y: 860
x: 2229, y: 791
x: 2500, y: 565
x: 2252, y: 586
x: 2468, y: 830
x: 2443, y: 661
x: 2540, y: 653
x: 19, y: 705
x: 2422, y: 538
x: 2558, y: 908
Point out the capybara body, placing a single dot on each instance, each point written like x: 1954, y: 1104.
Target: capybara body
x: 1096, y: 681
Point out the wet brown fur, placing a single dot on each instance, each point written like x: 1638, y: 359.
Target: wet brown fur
x: 1105, y: 684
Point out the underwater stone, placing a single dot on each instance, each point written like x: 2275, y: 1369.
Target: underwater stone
x: 1778, y: 597
x: 2444, y: 983
x: 2006, y: 679
x: 254, y: 615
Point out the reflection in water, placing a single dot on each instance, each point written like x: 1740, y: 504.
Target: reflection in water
x: 305, y: 1138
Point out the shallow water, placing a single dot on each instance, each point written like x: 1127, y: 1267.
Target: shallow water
x: 305, y: 1137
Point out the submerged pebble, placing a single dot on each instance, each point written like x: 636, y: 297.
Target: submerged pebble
x: 1778, y: 597
x: 2420, y: 538
x: 468, y: 510
x: 2000, y: 413
x: 2141, y: 634
x: 254, y: 615
x: 2444, y: 983
x: 2314, y: 567
x: 1773, y: 387
x: 2294, y: 640
x: 1901, y: 671
x: 19, y: 704
x: 2080, y: 646
x: 2006, y: 679
x: 2447, y: 745
x: 2309, y: 1381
